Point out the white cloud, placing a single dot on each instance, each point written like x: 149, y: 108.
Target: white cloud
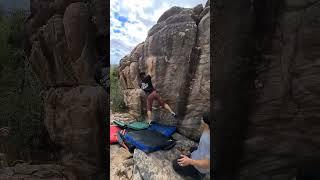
x: 158, y: 12
x: 114, y: 6
x: 130, y: 21
x: 118, y: 49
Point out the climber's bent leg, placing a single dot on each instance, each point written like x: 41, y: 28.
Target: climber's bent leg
x: 149, y: 106
x: 149, y: 116
x: 167, y: 107
x: 163, y: 104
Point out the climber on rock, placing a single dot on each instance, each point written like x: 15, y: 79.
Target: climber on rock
x: 196, y: 165
x: 147, y: 87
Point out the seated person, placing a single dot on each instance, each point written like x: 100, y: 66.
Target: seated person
x: 197, y: 165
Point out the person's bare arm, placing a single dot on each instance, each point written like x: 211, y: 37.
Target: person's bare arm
x: 185, y: 161
x: 149, y: 70
x: 205, y: 163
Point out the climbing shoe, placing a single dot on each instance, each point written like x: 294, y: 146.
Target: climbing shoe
x: 174, y: 114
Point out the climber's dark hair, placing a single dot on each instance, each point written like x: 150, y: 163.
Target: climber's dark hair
x: 206, y: 118
x: 142, y: 74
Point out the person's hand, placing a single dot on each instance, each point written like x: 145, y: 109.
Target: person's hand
x: 184, y: 160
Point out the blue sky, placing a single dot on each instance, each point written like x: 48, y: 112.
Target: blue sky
x: 130, y: 21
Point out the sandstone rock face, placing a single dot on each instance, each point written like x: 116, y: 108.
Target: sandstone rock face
x: 62, y: 36
x: 134, y: 101
x: 288, y: 104
x: 280, y: 128
x: 176, y: 52
x: 199, y: 98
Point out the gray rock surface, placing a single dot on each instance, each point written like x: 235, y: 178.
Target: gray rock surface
x: 200, y: 84
x: 155, y: 165
x: 158, y: 165
x: 176, y: 52
x: 121, y: 163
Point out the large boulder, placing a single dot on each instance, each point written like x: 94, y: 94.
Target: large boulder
x: 134, y: 100
x: 63, y: 53
x: 283, y: 122
x: 200, y: 84
x: 176, y: 54
x: 156, y: 165
x: 267, y: 120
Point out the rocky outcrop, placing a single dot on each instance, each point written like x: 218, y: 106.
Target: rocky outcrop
x: 64, y: 54
x: 199, y: 97
x: 121, y: 163
x: 276, y: 133
x: 176, y: 54
x: 156, y: 165
x: 153, y: 167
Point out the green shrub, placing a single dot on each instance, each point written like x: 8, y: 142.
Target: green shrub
x: 116, y: 96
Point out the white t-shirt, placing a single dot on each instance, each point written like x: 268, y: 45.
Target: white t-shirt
x: 203, y: 151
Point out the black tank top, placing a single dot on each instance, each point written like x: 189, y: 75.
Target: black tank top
x: 146, y: 84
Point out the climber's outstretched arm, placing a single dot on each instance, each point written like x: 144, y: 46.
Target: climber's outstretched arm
x: 150, y: 66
